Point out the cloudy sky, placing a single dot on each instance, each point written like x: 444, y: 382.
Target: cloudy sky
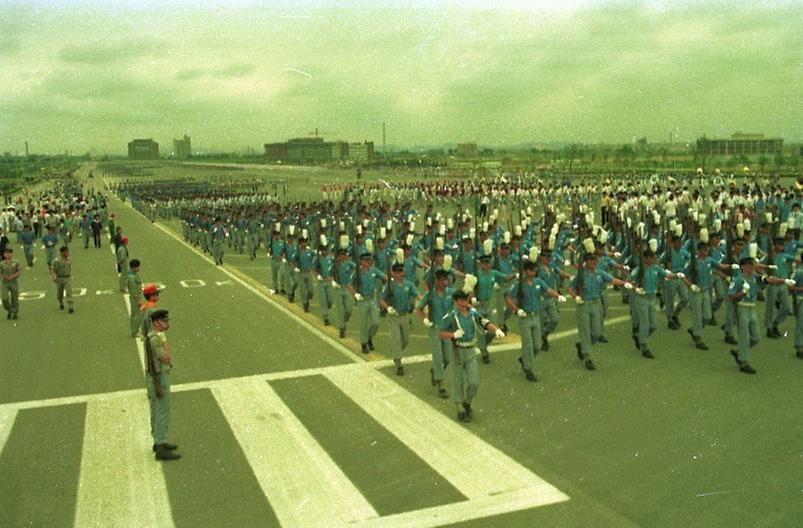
x: 85, y: 76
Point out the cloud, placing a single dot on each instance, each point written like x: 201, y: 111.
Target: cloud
x: 234, y: 71
x: 102, y: 53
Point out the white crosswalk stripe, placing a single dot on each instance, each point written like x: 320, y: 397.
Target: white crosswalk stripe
x: 304, y: 485
x: 7, y: 418
x: 121, y: 484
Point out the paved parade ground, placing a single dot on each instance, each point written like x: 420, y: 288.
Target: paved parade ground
x: 282, y: 423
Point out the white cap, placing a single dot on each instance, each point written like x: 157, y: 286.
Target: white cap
x: 653, y: 245
x: 447, y: 262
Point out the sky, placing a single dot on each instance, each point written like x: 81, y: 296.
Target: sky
x: 90, y: 76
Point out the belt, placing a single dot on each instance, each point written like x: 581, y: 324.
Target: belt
x: 464, y: 345
x: 746, y: 304
x: 401, y: 313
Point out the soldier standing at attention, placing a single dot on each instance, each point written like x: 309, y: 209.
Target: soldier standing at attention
x: 61, y: 273
x: 219, y: 234
x: 398, y: 298
x: 459, y: 325
x: 324, y: 264
x: 159, y: 364
x: 151, y: 294
x: 122, y: 258
x: 10, y: 271
x: 135, y: 299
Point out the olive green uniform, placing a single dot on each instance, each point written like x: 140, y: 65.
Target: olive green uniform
x: 62, y: 269
x: 10, y: 291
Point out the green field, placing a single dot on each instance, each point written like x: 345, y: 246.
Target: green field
x: 281, y: 423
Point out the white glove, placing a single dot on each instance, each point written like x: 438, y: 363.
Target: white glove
x: 297, y: 270
x: 427, y: 322
x: 746, y: 287
x: 335, y: 284
x: 474, y: 301
x: 617, y: 254
x: 734, y: 266
x: 496, y: 286
x: 357, y: 296
x: 628, y: 286
x: 772, y: 267
x: 391, y: 310
x: 284, y: 260
x: 561, y: 298
x: 499, y: 333
x: 521, y: 313
x: 272, y: 291
x: 579, y: 300
x: 680, y: 275
x: 790, y: 282
x: 459, y: 333
x: 640, y: 291
x: 319, y: 278
x: 695, y: 288
x: 626, y: 267
x: 567, y: 262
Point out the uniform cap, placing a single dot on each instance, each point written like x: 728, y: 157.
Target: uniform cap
x: 163, y: 315
x: 150, y: 289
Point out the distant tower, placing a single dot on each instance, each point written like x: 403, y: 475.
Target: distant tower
x: 26, y: 149
x: 383, y: 137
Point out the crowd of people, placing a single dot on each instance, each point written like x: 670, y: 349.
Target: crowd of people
x: 469, y: 260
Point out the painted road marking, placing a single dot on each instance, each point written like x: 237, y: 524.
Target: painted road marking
x: 302, y: 483
x: 471, y: 465
x: 7, y: 418
x: 121, y: 484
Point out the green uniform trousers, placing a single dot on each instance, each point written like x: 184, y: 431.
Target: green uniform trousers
x: 160, y: 408
x: 465, y: 375
x: 798, y: 323
x: 700, y: 305
x: 368, y: 317
x: 530, y: 331
x: 399, y: 326
x: 275, y: 267
x: 64, y: 289
x: 589, y: 324
x: 304, y: 279
x: 136, y: 317
x: 325, y: 296
x: 645, y: 312
x: 671, y: 289
x: 549, y: 316
x: 747, y: 335
x: 773, y: 316
x: 344, y: 303
x: 11, y: 297
x: 484, y: 339
x: 441, y: 353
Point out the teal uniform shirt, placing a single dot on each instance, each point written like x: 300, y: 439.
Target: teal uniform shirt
x: 782, y: 261
x: 306, y: 259
x: 549, y: 274
x: 532, y: 294
x: 411, y: 263
x: 324, y: 265
x: 703, y: 279
x: 401, y: 296
x: 677, y: 259
x: 368, y: 281
x: 291, y: 252
x: 486, y: 281
x: 593, y: 284
x: 50, y: 240
x: 441, y: 304
x: 799, y: 282
x: 455, y: 319
x: 738, y: 285
x: 276, y: 248
x: 345, y: 272
x: 506, y: 264
x: 605, y: 263
x: 653, y: 275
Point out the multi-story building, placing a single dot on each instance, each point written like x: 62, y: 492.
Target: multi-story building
x: 467, y: 150
x: 143, y: 149
x: 739, y: 145
x: 316, y: 150
x: 182, y: 147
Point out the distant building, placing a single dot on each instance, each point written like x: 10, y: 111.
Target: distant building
x: 182, y: 147
x: 467, y: 150
x: 143, y: 149
x: 361, y: 151
x: 739, y: 145
x: 316, y: 150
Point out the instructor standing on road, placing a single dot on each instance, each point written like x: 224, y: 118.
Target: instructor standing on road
x: 159, y: 365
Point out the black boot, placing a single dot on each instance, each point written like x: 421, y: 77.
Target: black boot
x: 163, y: 453
x: 544, y: 344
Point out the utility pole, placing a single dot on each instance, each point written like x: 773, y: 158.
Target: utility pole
x: 383, y: 137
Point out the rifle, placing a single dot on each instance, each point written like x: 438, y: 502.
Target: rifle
x: 151, y: 366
